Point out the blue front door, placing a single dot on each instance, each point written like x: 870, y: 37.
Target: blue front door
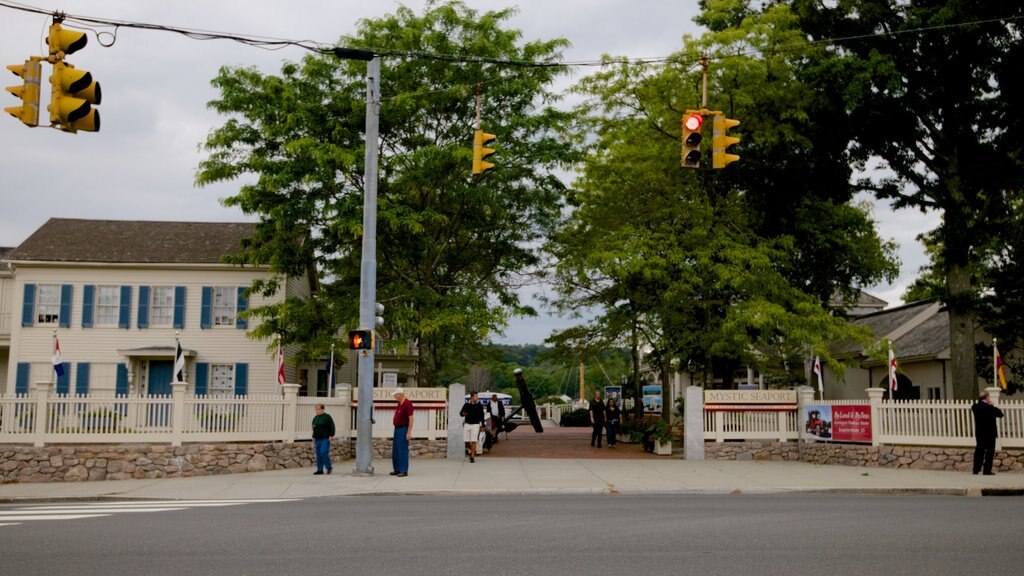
x: 161, y: 372
x: 160, y: 376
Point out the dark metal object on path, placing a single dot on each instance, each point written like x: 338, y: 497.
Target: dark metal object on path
x: 527, y: 403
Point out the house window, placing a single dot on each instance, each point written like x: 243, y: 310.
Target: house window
x: 224, y: 301
x: 161, y: 306
x: 222, y: 380
x: 108, y: 305
x: 48, y: 308
x: 934, y: 393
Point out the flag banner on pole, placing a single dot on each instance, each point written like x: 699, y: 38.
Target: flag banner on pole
x: 280, y: 363
x: 999, y: 368
x: 179, y: 363
x: 893, y: 381
x: 58, y: 363
x: 817, y: 370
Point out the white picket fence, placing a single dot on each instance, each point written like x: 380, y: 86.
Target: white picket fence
x: 942, y: 423
x: 44, y: 418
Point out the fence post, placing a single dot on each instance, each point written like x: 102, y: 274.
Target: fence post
x: 178, y: 412
x: 456, y: 447
x: 875, y: 400
x: 291, y: 409
x: 693, y: 424
x: 804, y: 398
x: 344, y: 392
x: 42, y: 394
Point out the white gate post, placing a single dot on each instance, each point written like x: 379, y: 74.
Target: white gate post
x: 291, y: 408
x: 875, y: 400
x: 178, y: 412
x: 693, y: 424
x: 42, y: 394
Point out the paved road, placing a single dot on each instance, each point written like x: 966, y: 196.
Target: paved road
x: 830, y: 535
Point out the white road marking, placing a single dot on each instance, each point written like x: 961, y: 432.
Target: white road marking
x: 79, y: 510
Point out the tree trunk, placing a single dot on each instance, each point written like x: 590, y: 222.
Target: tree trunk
x: 961, y: 332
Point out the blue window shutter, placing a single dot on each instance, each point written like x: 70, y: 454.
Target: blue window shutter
x: 21, y: 378
x: 64, y: 380
x: 143, y: 319
x: 66, y: 292
x: 28, y: 310
x: 122, y: 380
x: 126, y: 307
x: 243, y: 305
x: 88, y: 300
x: 202, y: 378
x: 82, y: 379
x: 179, y: 306
x: 241, y: 379
x: 205, y: 311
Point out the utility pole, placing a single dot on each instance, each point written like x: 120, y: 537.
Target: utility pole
x: 368, y: 267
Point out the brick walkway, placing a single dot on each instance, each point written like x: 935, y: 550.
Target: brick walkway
x: 557, y: 442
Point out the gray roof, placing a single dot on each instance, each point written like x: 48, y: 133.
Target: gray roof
x: 927, y: 338
x: 132, y: 241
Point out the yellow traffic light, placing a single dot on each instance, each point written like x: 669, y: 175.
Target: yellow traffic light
x: 31, y: 72
x: 693, y: 123
x: 63, y: 42
x: 73, y: 92
x: 480, y: 138
x: 721, y: 141
x: 360, y: 340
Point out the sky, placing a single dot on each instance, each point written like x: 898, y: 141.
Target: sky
x: 141, y: 164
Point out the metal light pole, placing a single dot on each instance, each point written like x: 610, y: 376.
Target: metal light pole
x: 368, y: 268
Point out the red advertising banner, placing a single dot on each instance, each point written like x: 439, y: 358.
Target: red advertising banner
x: 840, y: 423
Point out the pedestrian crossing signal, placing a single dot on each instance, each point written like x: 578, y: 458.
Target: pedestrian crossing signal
x: 360, y: 340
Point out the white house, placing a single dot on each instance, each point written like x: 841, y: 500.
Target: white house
x: 118, y: 293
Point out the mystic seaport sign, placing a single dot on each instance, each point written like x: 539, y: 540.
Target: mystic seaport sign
x: 749, y: 397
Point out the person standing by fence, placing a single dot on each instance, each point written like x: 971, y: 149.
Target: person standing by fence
x: 597, y: 414
x: 323, y: 433
x: 985, y: 414
x: 403, y: 434
x: 612, y: 416
x: 473, y: 413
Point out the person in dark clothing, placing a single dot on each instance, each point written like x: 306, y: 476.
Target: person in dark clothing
x: 597, y: 413
x: 473, y: 413
x: 612, y: 416
x: 985, y: 414
x: 497, y: 414
x: 323, y: 433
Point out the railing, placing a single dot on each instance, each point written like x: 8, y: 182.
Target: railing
x: 906, y: 422
x: 46, y: 418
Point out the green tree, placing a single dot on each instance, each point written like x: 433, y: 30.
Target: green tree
x: 715, y: 269
x: 452, y: 248
x: 931, y: 87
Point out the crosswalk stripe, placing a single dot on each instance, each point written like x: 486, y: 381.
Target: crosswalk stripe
x: 27, y: 517
x: 79, y: 510
x: 86, y: 511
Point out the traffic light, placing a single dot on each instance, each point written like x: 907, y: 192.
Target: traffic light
x: 31, y: 72
x: 360, y: 340
x: 479, y: 152
x: 721, y: 140
x: 692, y: 124
x: 73, y: 92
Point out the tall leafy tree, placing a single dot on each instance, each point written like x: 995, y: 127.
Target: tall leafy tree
x: 451, y: 248
x: 931, y: 87
x: 715, y: 269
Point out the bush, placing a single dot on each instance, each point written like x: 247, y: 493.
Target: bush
x: 579, y: 417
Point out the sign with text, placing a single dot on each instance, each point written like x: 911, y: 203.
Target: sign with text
x: 750, y: 397
x: 841, y: 423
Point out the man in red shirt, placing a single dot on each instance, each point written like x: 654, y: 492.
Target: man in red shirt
x: 403, y: 433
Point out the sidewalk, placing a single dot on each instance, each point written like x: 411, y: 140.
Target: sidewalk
x: 537, y: 476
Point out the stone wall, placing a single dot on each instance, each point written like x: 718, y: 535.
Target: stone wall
x: 80, y: 462
x: 916, y: 457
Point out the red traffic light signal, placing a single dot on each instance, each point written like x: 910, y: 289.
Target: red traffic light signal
x: 692, y: 124
x: 360, y: 340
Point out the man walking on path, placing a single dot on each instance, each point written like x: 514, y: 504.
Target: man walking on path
x: 985, y: 415
x: 597, y: 410
x: 403, y: 434
x: 323, y: 433
x: 473, y: 412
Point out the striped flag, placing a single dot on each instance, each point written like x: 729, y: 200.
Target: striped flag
x: 179, y: 363
x: 280, y: 363
x: 893, y: 380
x: 58, y: 363
x: 999, y: 366
x: 817, y: 370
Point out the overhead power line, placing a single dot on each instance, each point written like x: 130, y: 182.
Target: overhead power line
x: 271, y: 43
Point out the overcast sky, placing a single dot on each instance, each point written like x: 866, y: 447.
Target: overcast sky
x: 141, y: 165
